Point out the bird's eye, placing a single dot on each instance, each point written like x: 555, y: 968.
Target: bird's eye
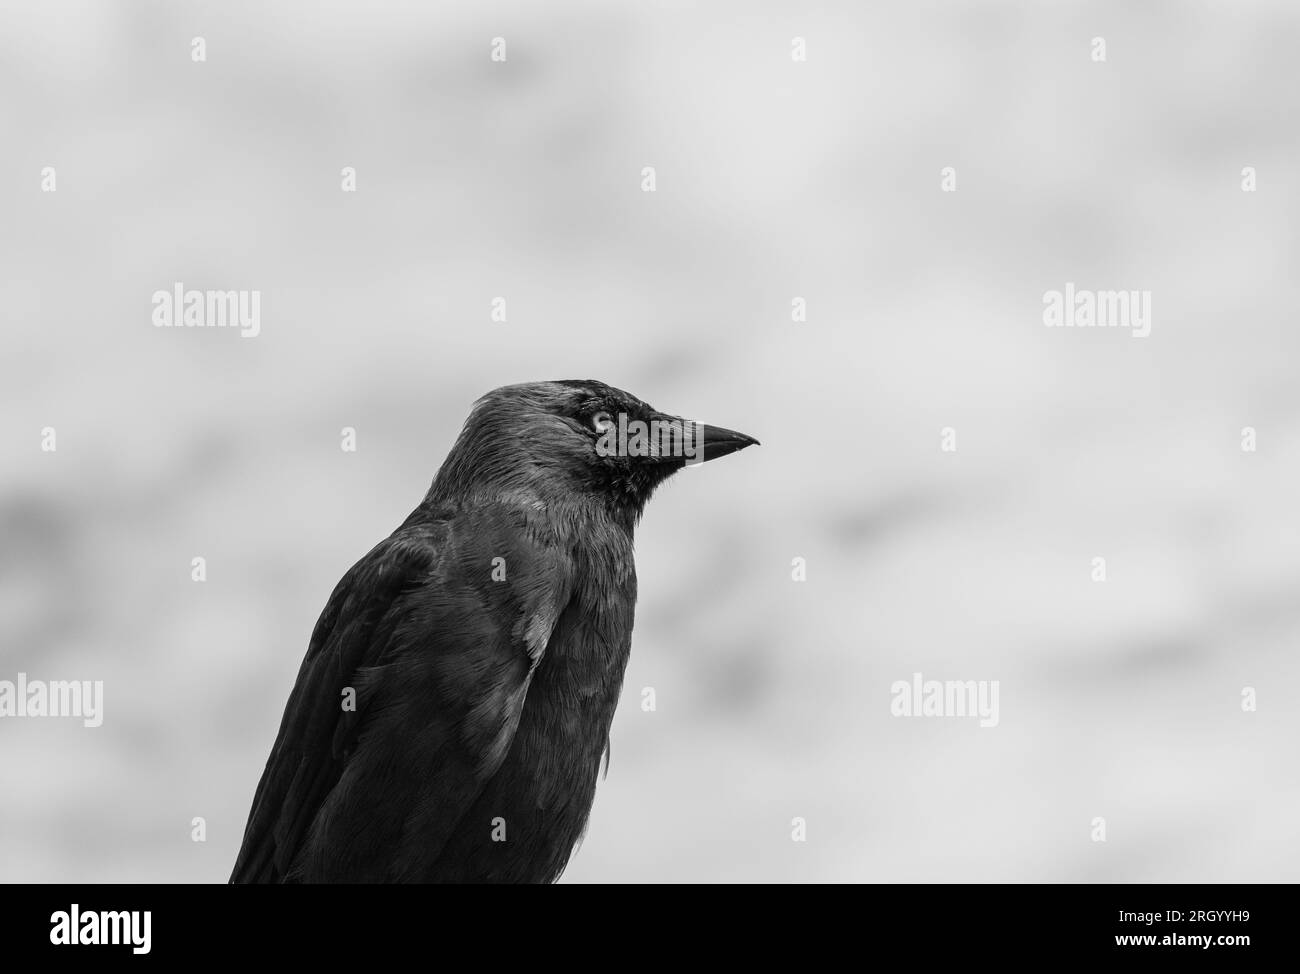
x: 602, y: 422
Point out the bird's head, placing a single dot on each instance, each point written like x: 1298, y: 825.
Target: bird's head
x: 575, y: 438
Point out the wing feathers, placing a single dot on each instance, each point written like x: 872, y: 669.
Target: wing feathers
x: 438, y: 657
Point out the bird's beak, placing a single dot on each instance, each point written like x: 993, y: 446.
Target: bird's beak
x: 718, y: 442
x: 701, y: 442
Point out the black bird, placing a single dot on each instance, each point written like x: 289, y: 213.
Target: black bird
x: 448, y: 721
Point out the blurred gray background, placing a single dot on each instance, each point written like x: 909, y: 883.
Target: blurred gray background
x: 775, y: 179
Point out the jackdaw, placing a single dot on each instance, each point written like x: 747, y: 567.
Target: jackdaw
x: 448, y: 721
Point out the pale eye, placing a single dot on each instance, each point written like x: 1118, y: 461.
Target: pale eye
x: 602, y: 422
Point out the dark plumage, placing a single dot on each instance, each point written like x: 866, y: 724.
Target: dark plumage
x: 479, y: 702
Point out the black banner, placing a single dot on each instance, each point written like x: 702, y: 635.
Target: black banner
x: 150, y: 924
